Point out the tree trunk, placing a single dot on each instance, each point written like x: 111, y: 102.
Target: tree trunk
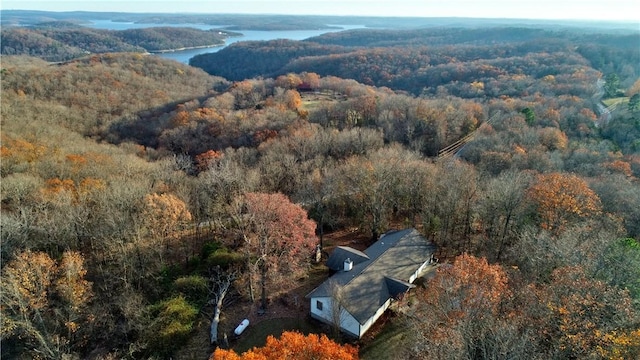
x: 263, y: 285
x: 321, y: 225
x: 223, y: 285
x: 216, y: 318
x: 504, y: 235
x: 251, y: 270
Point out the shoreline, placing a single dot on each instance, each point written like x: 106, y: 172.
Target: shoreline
x: 184, y: 48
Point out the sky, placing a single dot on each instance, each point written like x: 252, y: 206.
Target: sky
x: 515, y: 9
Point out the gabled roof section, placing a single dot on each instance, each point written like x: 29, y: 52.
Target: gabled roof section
x: 397, y: 287
x: 341, y: 253
x: 392, y: 261
x: 398, y: 253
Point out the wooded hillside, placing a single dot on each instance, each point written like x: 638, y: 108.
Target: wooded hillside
x: 137, y: 192
x: 61, y: 41
x: 420, y: 61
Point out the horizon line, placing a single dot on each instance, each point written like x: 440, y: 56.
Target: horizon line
x: 635, y: 21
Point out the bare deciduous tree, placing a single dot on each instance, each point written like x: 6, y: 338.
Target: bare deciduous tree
x: 220, y: 282
x: 338, y: 312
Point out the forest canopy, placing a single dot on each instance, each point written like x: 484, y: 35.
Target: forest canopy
x: 61, y: 41
x: 138, y: 193
x: 423, y: 60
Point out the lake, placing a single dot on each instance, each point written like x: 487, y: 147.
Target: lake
x: 183, y: 56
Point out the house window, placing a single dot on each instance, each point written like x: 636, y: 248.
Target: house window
x: 319, y: 305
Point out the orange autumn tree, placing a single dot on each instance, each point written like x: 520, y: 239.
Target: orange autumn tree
x: 289, y: 81
x: 44, y: 304
x: 294, y: 346
x: 470, y: 287
x: 458, y: 307
x: 620, y: 166
x: 562, y: 198
x: 164, y: 214
x: 292, y: 99
x: 625, y: 345
x: 311, y: 79
x: 67, y: 187
x: 207, y: 159
x: 584, y: 317
x: 14, y: 153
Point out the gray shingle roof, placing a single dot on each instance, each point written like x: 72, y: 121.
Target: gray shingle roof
x: 397, y: 287
x: 341, y: 253
x: 391, y: 262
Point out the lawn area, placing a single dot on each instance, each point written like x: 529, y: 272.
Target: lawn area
x: 389, y: 343
x: 256, y: 335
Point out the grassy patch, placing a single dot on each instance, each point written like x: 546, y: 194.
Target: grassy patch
x: 317, y: 274
x: 256, y: 335
x: 312, y: 101
x: 615, y: 101
x: 390, y: 343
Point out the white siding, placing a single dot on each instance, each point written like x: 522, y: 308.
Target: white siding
x: 375, y: 317
x: 415, y: 275
x: 347, y: 322
x: 325, y: 313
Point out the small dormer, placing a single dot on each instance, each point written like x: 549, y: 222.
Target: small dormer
x: 348, y: 264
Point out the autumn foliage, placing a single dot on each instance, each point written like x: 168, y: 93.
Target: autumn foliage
x: 278, y: 238
x: 55, y: 187
x: 153, y: 169
x: 458, y: 307
x: 293, y: 346
x: 561, y: 199
x: 472, y: 307
x: 469, y: 287
x: 207, y: 159
x: 45, y: 302
x: 284, y: 225
x: 587, y: 316
x: 14, y: 152
x: 164, y: 213
x: 619, y: 166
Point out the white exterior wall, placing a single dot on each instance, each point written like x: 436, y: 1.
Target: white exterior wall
x: 372, y: 320
x: 325, y: 313
x: 415, y: 275
x: 347, y: 322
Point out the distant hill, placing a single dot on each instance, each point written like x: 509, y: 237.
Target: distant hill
x: 420, y: 60
x: 65, y: 40
x: 247, y: 59
x: 303, y: 22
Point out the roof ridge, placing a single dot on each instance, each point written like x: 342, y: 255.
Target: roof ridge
x: 372, y: 261
x: 355, y: 251
x: 396, y: 279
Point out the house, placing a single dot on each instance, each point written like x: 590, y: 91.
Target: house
x: 365, y: 283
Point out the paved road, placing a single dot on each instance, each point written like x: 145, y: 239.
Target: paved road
x: 604, y: 114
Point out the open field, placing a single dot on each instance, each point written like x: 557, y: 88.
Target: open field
x: 616, y: 101
x: 311, y: 101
